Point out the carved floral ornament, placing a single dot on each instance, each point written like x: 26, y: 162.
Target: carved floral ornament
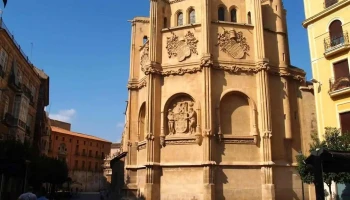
x: 182, y: 48
x: 233, y: 43
x: 144, y: 58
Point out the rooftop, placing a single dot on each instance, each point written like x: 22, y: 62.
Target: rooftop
x: 67, y: 132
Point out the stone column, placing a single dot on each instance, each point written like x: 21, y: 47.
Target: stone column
x: 268, y: 189
x: 152, y: 70
x: 206, y: 63
x: 286, y: 108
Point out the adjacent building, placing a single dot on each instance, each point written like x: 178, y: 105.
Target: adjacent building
x: 215, y: 108
x: 83, y: 153
x: 20, y: 85
x: 328, y: 25
x: 107, y: 170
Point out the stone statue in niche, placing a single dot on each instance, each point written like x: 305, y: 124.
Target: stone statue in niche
x: 171, y: 122
x: 182, y: 118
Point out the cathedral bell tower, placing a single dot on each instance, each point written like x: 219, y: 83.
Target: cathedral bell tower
x: 209, y: 103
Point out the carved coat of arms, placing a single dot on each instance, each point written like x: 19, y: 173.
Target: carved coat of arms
x: 233, y: 43
x: 181, y: 48
x: 182, y: 118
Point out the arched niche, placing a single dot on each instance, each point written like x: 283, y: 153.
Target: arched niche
x: 141, y: 122
x: 236, y: 114
x: 180, y: 116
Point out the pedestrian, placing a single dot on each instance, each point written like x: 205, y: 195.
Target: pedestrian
x: 28, y: 195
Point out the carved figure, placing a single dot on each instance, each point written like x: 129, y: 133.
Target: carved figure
x: 233, y: 43
x: 171, y: 122
x: 192, y: 116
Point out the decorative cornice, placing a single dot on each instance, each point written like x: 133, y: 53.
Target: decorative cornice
x: 239, y: 139
x: 179, y: 72
x: 180, y: 141
x: 240, y: 69
x: 206, y: 61
x: 137, y: 85
x: 326, y: 11
x: 172, y: 1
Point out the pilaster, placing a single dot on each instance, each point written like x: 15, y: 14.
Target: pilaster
x: 206, y: 63
x: 152, y: 186
x: 268, y: 191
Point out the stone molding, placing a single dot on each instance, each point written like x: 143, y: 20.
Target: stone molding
x: 136, y: 85
x: 240, y: 69
x: 180, y: 140
x: 141, y: 145
x: 172, y: 1
x: 239, y: 139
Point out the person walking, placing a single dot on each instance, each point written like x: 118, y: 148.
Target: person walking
x: 28, y: 195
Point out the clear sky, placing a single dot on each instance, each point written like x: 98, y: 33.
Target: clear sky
x: 84, y: 47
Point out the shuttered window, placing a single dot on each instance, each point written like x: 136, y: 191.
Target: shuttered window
x: 341, y: 69
x: 345, y: 122
x: 335, y: 29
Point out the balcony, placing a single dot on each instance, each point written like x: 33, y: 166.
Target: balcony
x: 339, y: 86
x: 328, y: 3
x: 334, y: 45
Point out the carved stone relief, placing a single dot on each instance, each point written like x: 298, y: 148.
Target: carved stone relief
x: 144, y: 59
x: 182, y: 48
x: 181, y: 117
x: 233, y: 43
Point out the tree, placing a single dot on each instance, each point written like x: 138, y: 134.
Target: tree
x: 333, y: 140
x: 5, y: 2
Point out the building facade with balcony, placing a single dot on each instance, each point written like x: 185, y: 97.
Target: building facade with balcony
x: 328, y: 26
x: 83, y: 153
x: 19, y: 90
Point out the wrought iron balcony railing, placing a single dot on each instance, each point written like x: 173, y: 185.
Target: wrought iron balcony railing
x: 328, y: 3
x: 331, y: 43
x: 340, y: 83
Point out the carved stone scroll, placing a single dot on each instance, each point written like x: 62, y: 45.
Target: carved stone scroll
x: 182, y: 48
x: 233, y: 43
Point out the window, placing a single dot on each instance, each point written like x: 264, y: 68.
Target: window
x: 96, y: 166
x: 19, y: 74
x: 249, y: 18
x: 62, y: 138
x: 21, y: 105
x: 6, y: 106
x: 221, y: 14
x: 56, y: 137
x: 83, y: 165
x: 234, y: 15
x: 84, y: 142
x: 90, y: 153
x: 90, y: 143
x: 77, y: 141
x: 165, y: 22
x: 336, y: 33
x: 70, y: 140
x: 145, y: 39
x: 192, y: 16
x: 83, y: 151
x: 3, y: 60
x: 345, y: 122
x: 89, y: 165
x: 341, y: 69
x: 29, y: 121
x: 103, y: 155
x: 180, y: 17
x: 96, y: 153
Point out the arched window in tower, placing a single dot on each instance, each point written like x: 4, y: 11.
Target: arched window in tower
x: 336, y: 35
x: 180, y: 19
x: 249, y: 16
x: 145, y: 39
x: 165, y: 22
x: 221, y: 14
x: 192, y: 16
x: 233, y: 15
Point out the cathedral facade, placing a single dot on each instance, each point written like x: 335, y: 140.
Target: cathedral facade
x: 215, y: 109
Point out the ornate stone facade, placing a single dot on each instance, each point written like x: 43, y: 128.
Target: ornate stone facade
x: 212, y: 102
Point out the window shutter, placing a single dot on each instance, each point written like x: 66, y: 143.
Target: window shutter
x: 341, y: 69
x: 335, y: 29
x: 345, y: 122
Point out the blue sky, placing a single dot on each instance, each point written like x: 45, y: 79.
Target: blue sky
x: 84, y: 47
